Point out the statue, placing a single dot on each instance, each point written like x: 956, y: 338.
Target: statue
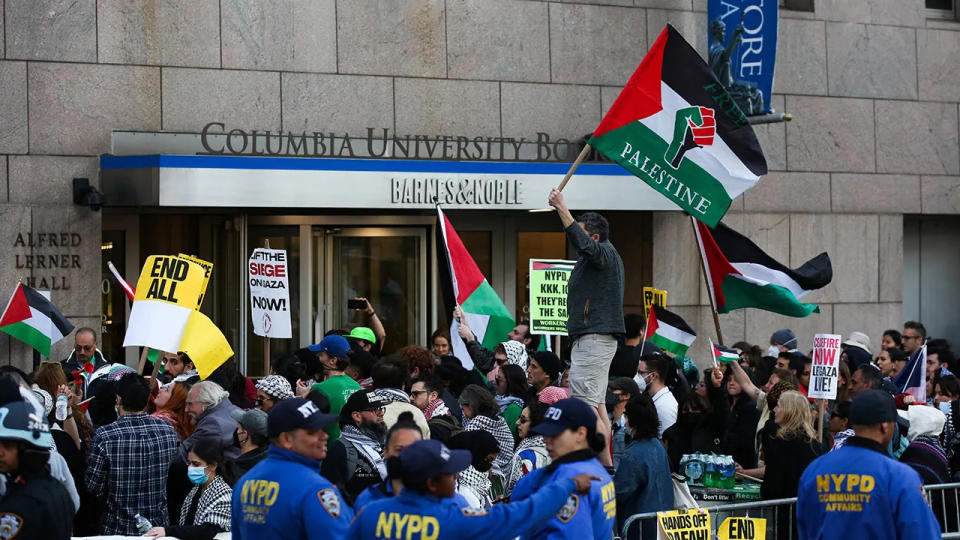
x: 745, y: 93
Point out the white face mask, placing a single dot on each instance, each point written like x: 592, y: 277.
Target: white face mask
x: 773, y: 351
x: 641, y: 382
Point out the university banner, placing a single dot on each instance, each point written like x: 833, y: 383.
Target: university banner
x: 742, y: 50
x: 548, y: 296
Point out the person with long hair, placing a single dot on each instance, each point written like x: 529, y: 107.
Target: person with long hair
x: 440, y: 344
x: 171, y: 402
x: 206, y: 510
x: 569, y: 429
x: 702, y: 422
x: 643, y: 479
x: 511, y: 383
x: 531, y: 453
x: 428, y: 471
x: 738, y: 441
x: 480, y: 411
x: 892, y: 339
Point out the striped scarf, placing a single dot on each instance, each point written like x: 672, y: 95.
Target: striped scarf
x: 498, y: 428
x: 436, y: 408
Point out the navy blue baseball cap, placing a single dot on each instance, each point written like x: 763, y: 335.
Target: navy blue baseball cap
x: 333, y: 345
x: 296, y: 413
x: 429, y: 457
x: 569, y: 413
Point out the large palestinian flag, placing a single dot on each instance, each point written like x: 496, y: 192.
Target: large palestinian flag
x: 676, y: 128
x: 463, y: 284
x: 741, y: 275
x: 34, y: 320
x: 668, y: 330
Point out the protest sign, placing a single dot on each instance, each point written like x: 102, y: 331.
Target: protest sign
x: 823, y: 369
x: 742, y: 528
x: 653, y: 296
x: 205, y: 343
x: 269, y: 293
x: 207, y: 271
x: 548, y: 296
x: 693, y: 524
x: 168, y: 290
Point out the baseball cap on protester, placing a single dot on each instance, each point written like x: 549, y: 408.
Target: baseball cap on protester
x: 429, y: 457
x: 872, y: 407
x: 254, y: 420
x: 785, y: 337
x: 362, y: 400
x: 570, y: 413
x: 860, y: 340
x: 364, y: 333
x: 296, y: 413
x: 333, y: 345
x: 549, y: 363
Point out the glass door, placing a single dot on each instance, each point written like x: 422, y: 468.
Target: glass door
x: 386, y: 265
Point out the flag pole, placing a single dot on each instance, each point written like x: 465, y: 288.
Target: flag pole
x: 266, y: 340
x: 646, y: 324
x: 706, y: 280
x: 580, y: 158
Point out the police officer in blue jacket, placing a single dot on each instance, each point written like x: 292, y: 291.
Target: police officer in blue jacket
x: 423, y: 511
x: 284, y: 495
x: 569, y: 429
x: 859, y: 491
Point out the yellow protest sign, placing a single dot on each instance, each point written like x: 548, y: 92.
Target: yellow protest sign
x: 207, y: 271
x: 693, y: 524
x: 653, y: 296
x: 205, y: 343
x: 741, y: 528
x: 170, y: 279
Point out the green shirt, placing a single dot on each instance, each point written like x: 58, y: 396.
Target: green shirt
x: 511, y: 414
x: 337, y: 389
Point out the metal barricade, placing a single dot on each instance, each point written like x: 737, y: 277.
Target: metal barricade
x: 779, y: 513
x: 944, y: 500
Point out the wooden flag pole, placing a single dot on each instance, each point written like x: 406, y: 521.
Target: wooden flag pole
x: 821, y: 410
x: 143, y: 360
x: 266, y: 340
x: 580, y: 158
x: 706, y: 280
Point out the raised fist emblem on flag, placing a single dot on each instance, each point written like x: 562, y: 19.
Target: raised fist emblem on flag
x: 694, y: 127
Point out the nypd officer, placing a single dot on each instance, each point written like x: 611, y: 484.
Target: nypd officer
x: 859, y: 491
x: 36, y: 505
x: 284, y: 495
x: 423, y: 510
x: 569, y: 429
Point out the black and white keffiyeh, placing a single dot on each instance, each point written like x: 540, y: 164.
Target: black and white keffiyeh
x: 498, y: 428
x: 213, y: 506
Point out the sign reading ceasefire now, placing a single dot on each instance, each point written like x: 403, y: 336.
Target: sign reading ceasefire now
x: 173, y: 280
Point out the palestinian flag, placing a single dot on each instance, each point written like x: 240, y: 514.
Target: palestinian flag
x: 723, y: 354
x: 676, y: 128
x: 463, y: 284
x: 741, y: 275
x: 34, y: 320
x: 668, y: 331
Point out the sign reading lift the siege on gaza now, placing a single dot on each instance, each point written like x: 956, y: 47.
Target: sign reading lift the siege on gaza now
x: 269, y: 293
x: 824, y: 368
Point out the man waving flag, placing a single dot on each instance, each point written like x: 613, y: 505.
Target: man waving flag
x: 676, y: 128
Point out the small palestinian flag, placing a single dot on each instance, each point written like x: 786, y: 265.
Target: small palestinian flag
x: 668, y: 331
x: 741, y: 275
x: 463, y: 284
x: 723, y: 354
x: 34, y: 320
x: 676, y: 128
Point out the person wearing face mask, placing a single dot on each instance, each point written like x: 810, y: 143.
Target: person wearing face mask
x: 401, y: 435
x: 251, y: 438
x: 206, y: 510
x: 619, y: 392
x: 473, y: 483
x: 895, y: 507
x: 355, y: 461
x: 652, y: 374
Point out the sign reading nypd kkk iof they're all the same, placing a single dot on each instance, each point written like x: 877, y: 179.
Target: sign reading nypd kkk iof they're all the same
x: 548, y: 295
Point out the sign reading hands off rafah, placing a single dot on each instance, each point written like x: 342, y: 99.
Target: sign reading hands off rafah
x: 743, y: 50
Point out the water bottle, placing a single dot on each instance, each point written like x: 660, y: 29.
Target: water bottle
x: 694, y: 469
x: 143, y: 524
x: 728, y: 473
x: 61, y: 407
x: 710, y: 478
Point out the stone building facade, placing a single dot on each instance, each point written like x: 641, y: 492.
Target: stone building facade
x: 872, y: 152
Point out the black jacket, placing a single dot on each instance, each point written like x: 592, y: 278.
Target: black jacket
x: 699, y: 432
x: 785, y: 461
x: 36, y: 507
x: 741, y: 432
x: 235, y: 468
x: 595, y: 287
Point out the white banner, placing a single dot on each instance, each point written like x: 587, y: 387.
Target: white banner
x: 269, y: 293
x: 824, y: 368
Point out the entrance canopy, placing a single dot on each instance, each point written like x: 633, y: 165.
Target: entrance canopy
x: 164, y: 180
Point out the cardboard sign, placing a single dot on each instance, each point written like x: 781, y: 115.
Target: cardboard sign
x: 742, y: 528
x: 207, y: 271
x: 269, y: 293
x: 548, y: 296
x: 171, y: 279
x: 824, y: 368
x: 693, y: 524
x: 653, y: 296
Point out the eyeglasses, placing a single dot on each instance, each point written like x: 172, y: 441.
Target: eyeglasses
x: 417, y: 392
x: 82, y: 348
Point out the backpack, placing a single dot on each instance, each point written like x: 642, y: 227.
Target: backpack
x: 442, y: 428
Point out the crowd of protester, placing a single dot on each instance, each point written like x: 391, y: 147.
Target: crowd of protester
x: 162, y: 455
